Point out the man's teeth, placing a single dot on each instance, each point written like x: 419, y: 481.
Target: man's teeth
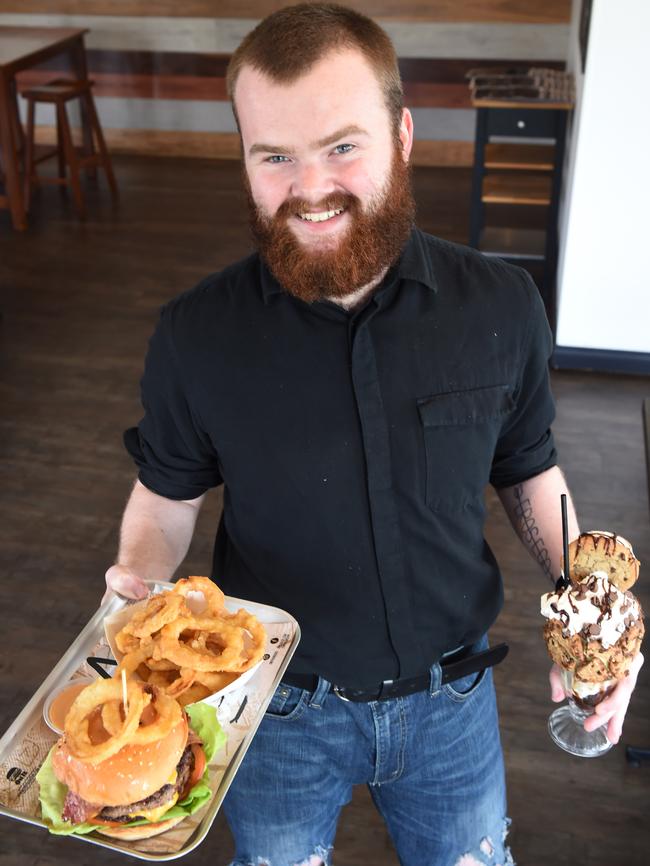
x: 320, y: 217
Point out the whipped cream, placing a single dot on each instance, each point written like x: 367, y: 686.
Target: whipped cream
x: 587, y: 690
x: 594, y: 607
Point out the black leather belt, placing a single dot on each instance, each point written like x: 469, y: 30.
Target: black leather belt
x: 460, y: 664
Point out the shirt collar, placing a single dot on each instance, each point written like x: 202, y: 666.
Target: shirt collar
x: 414, y: 264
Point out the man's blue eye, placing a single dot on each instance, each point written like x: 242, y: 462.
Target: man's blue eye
x: 343, y: 148
x: 276, y: 158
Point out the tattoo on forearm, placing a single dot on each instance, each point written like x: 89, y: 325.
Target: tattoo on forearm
x: 529, y: 531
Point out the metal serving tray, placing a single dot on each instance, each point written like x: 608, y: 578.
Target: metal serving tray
x: 26, y: 743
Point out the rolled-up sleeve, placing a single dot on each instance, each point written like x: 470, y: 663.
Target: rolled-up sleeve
x: 174, y: 455
x: 525, y: 447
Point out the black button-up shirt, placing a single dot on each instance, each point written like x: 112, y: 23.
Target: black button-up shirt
x: 355, y: 447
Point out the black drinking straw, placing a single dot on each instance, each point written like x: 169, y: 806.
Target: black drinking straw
x: 564, y: 581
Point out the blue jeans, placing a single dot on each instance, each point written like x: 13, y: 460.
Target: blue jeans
x: 432, y: 762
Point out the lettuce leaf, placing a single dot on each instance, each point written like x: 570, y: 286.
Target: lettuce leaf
x: 204, y: 722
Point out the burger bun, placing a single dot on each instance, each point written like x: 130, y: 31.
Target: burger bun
x: 131, y: 775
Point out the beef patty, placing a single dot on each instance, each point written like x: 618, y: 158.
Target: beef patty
x: 158, y: 798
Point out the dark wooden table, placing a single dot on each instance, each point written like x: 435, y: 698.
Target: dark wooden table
x: 23, y: 48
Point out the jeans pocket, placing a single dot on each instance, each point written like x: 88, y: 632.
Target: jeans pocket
x: 287, y: 704
x: 464, y: 687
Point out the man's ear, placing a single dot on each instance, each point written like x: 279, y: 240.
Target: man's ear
x: 406, y: 134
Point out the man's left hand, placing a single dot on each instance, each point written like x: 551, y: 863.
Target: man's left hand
x: 611, y: 711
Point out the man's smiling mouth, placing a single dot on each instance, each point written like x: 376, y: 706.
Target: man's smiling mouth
x: 321, y: 216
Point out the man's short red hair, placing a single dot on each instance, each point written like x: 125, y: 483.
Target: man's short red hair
x: 286, y: 44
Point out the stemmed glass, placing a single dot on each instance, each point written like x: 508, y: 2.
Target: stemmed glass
x: 566, y: 724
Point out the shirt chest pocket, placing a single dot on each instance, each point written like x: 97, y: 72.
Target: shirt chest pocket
x: 460, y: 431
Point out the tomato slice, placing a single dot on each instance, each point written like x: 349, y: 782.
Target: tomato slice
x: 198, y: 770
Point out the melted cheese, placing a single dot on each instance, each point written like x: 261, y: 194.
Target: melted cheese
x: 154, y: 815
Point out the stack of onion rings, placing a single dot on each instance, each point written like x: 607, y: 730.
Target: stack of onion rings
x: 187, y: 655
x: 97, y: 725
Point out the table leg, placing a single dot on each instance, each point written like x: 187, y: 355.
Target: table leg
x: 10, y: 156
x: 79, y: 64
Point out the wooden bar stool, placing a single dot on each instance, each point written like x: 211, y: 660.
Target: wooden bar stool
x: 59, y: 93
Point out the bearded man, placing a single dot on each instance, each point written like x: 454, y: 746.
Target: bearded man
x: 354, y: 385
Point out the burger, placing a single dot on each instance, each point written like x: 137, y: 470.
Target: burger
x: 141, y: 781
x: 136, y: 782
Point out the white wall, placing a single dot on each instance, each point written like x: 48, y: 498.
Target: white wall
x: 604, y: 266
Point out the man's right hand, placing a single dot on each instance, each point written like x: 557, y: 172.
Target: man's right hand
x: 121, y: 579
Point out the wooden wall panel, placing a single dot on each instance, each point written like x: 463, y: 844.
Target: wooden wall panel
x: 225, y: 145
x: 498, y: 11
x: 183, y: 75
x: 176, y: 51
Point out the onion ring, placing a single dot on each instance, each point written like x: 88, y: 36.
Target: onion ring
x: 214, y: 597
x: 132, y: 661
x: 182, y: 683
x: 255, y: 645
x: 101, y: 692
x: 173, y: 648
x: 195, y: 693
x: 215, y: 680
x: 161, y: 679
x: 112, y: 717
x: 166, y: 715
x: 125, y: 642
x: 161, y: 664
x: 158, y: 611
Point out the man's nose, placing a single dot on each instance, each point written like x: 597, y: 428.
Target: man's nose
x: 312, y: 182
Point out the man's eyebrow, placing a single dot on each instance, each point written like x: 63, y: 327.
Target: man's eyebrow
x: 270, y: 148
x: 281, y: 150
x: 352, y: 129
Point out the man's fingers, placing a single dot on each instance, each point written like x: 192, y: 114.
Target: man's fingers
x: 615, y: 726
x: 597, y: 721
x: 557, y: 689
x: 122, y: 580
x: 619, y: 699
x: 613, y: 721
x: 612, y: 710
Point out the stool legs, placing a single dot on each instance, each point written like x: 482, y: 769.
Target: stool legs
x: 71, y: 158
x: 101, y: 144
x: 71, y: 162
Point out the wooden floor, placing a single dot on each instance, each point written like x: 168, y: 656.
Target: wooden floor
x: 78, y: 302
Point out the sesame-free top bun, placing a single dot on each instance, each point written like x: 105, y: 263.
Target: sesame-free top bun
x: 129, y: 776
x: 598, y: 550
x: 141, y: 831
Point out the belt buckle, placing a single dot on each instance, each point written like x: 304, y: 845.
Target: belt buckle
x: 337, y: 691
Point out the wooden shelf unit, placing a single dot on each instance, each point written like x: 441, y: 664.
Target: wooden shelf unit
x: 518, y: 158
x: 513, y: 243
x: 516, y: 188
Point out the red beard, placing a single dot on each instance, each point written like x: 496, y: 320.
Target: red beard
x: 372, y: 243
